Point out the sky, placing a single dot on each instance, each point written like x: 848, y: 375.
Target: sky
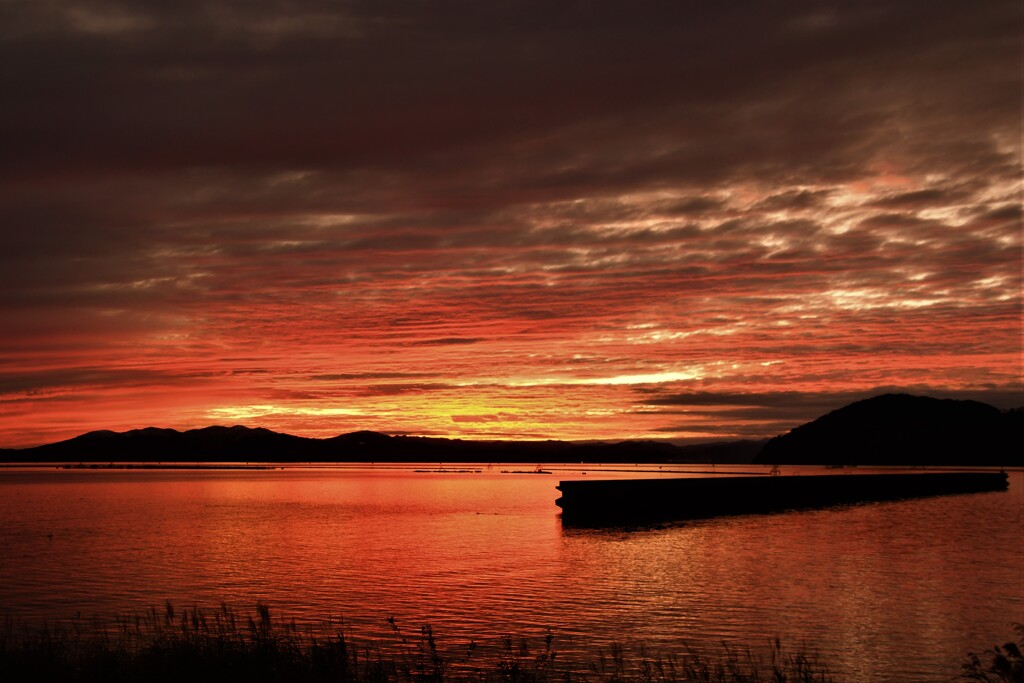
x: 504, y: 220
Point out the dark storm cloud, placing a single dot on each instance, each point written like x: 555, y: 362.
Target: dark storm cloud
x: 694, y: 206
x: 449, y: 341
x: 405, y: 389
x: 793, y: 199
x: 920, y: 198
x: 724, y: 431
x: 344, y: 376
x: 39, y: 381
x: 1008, y: 213
x: 315, y: 84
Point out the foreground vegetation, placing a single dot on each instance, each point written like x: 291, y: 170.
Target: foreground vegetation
x: 1003, y: 664
x: 191, y: 645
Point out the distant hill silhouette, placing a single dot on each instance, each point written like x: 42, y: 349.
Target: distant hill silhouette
x: 901, y: 429
x: 892, y: 429
x: 245, y: 444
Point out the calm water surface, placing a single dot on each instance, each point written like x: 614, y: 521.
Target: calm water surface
x: 896, y: 591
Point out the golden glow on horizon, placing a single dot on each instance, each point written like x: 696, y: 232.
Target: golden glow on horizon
x: 253, y: 412
x: 647, y: 378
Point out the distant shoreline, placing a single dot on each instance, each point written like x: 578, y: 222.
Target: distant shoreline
x: 479, y: 467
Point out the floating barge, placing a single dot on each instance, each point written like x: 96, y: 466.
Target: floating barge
x: 610, y: 501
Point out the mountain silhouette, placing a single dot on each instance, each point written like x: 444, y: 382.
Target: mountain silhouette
x: 246, y: 444
x: 153, y: 444
x: 891, y: 429
x: 901, y: 429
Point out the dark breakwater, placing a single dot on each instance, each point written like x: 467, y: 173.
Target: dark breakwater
x: 632, y: 500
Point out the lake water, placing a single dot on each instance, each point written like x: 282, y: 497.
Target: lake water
x: 895, y: 591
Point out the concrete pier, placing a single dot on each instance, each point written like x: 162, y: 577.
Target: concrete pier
x: 637, y: 500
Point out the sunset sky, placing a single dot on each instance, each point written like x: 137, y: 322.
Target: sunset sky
x: 504, y: 219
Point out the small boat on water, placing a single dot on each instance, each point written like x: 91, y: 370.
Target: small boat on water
x: 637, y: 500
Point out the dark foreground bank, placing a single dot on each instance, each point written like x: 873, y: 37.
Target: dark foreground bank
x: 191, y: 645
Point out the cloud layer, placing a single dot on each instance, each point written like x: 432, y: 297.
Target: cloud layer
x: 504, y: 220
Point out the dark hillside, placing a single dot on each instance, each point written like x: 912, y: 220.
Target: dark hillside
x: 245, y: 444
x: 900, y: 429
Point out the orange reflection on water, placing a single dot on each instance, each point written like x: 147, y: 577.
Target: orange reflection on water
x: 481, y: 553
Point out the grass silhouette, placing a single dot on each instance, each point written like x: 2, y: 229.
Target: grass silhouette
x: 224, y: 645
x: 1001, y: 664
